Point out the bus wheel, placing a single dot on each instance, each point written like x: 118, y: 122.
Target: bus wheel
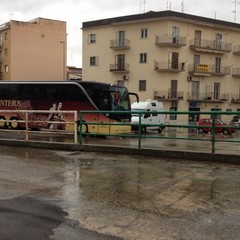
x: 143, y: 130
x: 14, y: 123
x: 200, y: 130
x: 84, y: 128
x: 2, y: 122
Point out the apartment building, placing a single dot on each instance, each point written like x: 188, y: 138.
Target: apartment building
x: 191, y: 63
x: 34, y: 50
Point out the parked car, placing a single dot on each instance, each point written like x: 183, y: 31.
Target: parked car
x: 221, y: 127
x: 235, y: 121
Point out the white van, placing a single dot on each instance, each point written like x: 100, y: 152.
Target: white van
x: 148, y: 119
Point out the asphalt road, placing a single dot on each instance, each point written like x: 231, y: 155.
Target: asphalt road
x: 60, y: 195
x: 27, y: 218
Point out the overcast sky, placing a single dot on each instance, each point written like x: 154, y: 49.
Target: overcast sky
x: 74, y: 12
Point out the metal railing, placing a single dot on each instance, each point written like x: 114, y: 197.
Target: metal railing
x: 125, y: 128
x: 169, y: 115
x: 31, y: 119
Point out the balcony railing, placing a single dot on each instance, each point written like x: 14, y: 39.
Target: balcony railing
x: 207, y: 97
x: 167, y: 41
x: 200, y: 69
x: 235, y: 98
x: 221, y: 70
x: 119, y: 68
x: 173, y: 66
x: 210, y: 46
x: 208, y: 70
x: 168, y: 95
x: 236, y: 72
x: 236, y: 49
x: 120, y: 44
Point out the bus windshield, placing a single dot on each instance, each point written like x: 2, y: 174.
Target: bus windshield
x: 108, y: 97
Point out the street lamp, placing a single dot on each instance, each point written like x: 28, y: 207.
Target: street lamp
x: 64, y: 58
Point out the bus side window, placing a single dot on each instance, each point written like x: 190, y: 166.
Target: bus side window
x: 103, y: 100
x: 4, y: 92
x: 147, y: 115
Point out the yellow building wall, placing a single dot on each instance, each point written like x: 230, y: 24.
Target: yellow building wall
x: 161, y: 81
x: 34, y: 50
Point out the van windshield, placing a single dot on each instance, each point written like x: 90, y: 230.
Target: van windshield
x: 137, y: 110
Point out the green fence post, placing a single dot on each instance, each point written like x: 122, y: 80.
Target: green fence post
x: 139, y: 130
x: 80, y: 129
x: 213, y: 132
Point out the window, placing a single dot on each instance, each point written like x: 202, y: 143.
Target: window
x: 175, y: 35
x: 142, y: 85
x: 173, y: 60
x: 120, y: 62
x: 218, y: 65
x: 120, y: 82
x: 216, y: 91
x: 92, y: 38
x: 5, y: 36
x: 121, y: 38
x: 144, y: 33
x: 197, y: 38
x: 219, y: 40
x: 94, y: 61
x: 5, y: 52
x: 143, y: 57
x: 173, y: 92
x: 6, y: 68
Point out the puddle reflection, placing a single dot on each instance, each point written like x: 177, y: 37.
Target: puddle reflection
x: 161, y: 187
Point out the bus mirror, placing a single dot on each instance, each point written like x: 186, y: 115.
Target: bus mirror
x: 135, y: 94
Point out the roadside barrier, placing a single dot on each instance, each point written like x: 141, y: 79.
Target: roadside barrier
x: 177, y: 125
x: 169, y: 125
x: 51, y: 122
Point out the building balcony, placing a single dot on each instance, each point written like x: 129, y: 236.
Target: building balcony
x: 208, y: 97
x: 209, y: 70
x: 120, y: 44
x: 236, y: 49
x: 210, y: 46
x: 236, y: 72
x: 166, y: 41
x: 174, y: 67
x: 221, y: 70
x: 200, y: 69
x: 235, y: 98
x: 119, y: 68
x: 168, y: 95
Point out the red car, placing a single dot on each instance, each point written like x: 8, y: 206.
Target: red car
x: 221, y: 127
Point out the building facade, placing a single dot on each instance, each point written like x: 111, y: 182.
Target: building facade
x: 34, y: 50
x: 190, y: 63
x: 74, y: 73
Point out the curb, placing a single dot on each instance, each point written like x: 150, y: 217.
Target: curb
x: 179, y: 155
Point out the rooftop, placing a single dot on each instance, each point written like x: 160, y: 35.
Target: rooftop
x: 160, y: 15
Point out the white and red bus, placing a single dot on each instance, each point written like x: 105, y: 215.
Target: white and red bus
x: 66, y: 96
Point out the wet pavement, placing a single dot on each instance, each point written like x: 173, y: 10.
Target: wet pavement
x: 46, y: 194
x: 172, y: 140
